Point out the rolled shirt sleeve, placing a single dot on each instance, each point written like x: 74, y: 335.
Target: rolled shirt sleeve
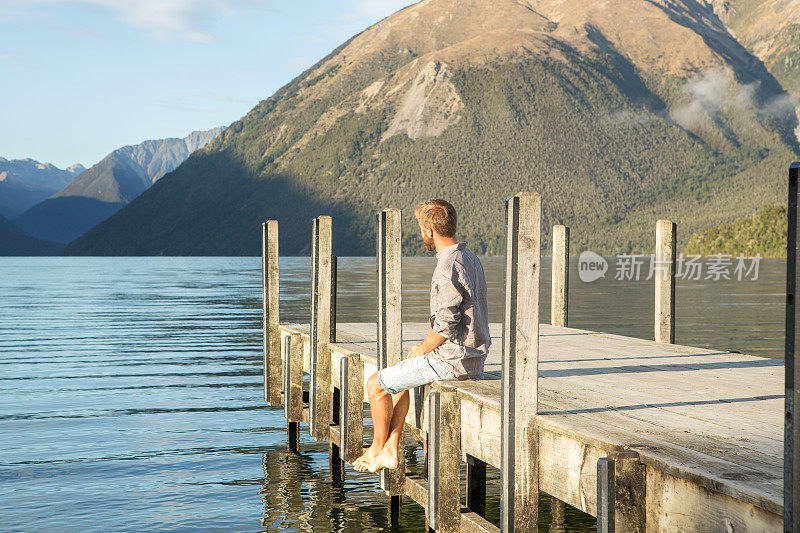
x: 446, y: 308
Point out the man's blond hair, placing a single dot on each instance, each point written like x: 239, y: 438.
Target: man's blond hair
x: 439, y: 215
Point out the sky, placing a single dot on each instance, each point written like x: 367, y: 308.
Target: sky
x: 80, y: 78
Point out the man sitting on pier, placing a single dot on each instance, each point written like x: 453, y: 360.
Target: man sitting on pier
x: 455, y: 347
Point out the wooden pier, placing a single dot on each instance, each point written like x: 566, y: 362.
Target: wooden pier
x: 644, y: 435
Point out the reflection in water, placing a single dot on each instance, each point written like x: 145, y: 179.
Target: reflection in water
x: 131, y: 387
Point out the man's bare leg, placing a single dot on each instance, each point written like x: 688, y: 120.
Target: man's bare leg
x: 381, y: 406
x: 389, y: 456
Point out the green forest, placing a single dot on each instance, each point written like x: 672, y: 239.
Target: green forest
x: 762, y: 234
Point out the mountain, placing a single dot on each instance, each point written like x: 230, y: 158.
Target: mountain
x: 101, y: 191
x: 13, y: 241
x: 770, y: 29
x: 618, y: 112
x: 25, y: 182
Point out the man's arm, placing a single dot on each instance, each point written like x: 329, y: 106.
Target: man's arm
x: 431, y: 342
x: 446, y: 316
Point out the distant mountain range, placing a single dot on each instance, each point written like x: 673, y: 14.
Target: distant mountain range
x: 618, y: 112
x: 25, y: 182
x: 97, y: 193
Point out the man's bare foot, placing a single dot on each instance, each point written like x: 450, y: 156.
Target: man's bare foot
x: 360, y: 464
x: 386, y: 459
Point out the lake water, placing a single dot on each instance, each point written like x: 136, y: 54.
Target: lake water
x: 131, y: 392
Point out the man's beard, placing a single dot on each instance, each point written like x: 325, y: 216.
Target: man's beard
x: 429, y: 244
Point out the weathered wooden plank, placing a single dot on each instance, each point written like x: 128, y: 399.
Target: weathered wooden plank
x: 629, y: 492
x: 559, y: 316
x: 335, y: 432
x: 432, y: 453
x: 472, y: 522
x: 481, y: 430
x: 335, y: 459
x: 791, y: 450
x: 286, y: 348
x: 704, y: 469
x: 313, y: 319
x: 723, y: 416
x: 519, y: 472
x: 380, y: 286
x: 293, y: 408
x: 664, y: 276
x: 417, y: 489
x: 568, y: 470
x: 559, y: 296
x: 654, y: 434
x: 605, y: 495
x: 320, y: 398
x: 352, y: 404
x: 335, y: 462
x: 674, y: 504
x: 271, y: 308
x: 265, y: 305
x: 713, y: 418
x: 390, y: 337
x: 334, y: 274
x: 444, y: 439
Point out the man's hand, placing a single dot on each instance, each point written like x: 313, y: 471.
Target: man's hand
x: 416, y: 351
x: 431, y: 342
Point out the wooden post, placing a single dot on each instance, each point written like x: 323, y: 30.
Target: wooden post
x: 559, y: 298
x: 605, y: 495
x: 293, y: 387
x: 664, y: 276
x: 351, y: 421
x: 390, y: 336
x: 559, y: 316
x: 335, y: 459
x: 629, y: 492
x: 271, y: 307
x: 334, y: 274
x: 320, y: 387
x: 519, y: 395
x: 476, y: 485
x: 791, y: 447
x: 444, y: 458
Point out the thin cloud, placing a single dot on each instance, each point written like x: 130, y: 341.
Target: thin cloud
x: 715, y: 90
x: 706, y: 96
